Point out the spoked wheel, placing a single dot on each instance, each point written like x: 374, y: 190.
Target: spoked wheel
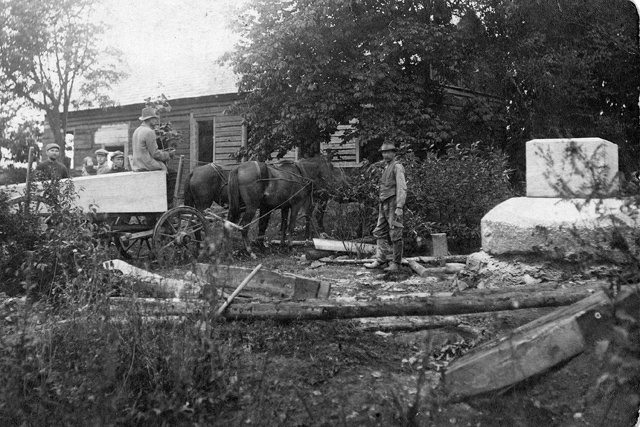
x: 133, y: 248
x: 134, y: 241
x: 179, y: 236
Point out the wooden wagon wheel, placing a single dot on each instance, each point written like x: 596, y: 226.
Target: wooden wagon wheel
x: 134, y: 245
x: 180, y: 235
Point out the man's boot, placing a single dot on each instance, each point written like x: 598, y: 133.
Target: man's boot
x: 382, y: 249
x: 397, y: 257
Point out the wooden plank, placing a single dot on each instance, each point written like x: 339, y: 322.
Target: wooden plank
x: 529, y: 350
x: 268, y: 282
x: 126, y: 192
x: 343, y: 246
x: 178, y: 288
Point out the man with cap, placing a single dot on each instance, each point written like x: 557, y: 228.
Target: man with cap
x: 102, y: 167
x: 118, y: 162
x: 393, y: 194
x: 146, y: 154
x: 51, y: 167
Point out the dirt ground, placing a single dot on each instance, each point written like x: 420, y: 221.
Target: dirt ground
x: 396, y: 377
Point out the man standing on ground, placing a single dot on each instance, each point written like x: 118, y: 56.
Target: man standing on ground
x: 146, y: 154
x: 52, y: 168
x: 393, y: 194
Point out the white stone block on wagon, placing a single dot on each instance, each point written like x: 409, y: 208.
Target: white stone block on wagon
x: 561, y: 228
x: 571, y: 168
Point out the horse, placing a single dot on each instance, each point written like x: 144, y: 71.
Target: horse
x: 207, y: 184
x: 287, y: 187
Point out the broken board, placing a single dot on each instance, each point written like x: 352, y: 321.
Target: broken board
x: 265, y: 282
x: 529, y: 350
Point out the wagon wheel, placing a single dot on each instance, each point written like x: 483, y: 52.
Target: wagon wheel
x: 179, y: 235
x: 38, y: 206
x: 136, y: 248
x: 133, y: 245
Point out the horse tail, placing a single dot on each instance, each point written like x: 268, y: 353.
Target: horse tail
x: 234, y: 196
x: 189, y: 199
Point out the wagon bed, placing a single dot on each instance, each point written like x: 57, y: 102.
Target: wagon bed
x: 133, y: 208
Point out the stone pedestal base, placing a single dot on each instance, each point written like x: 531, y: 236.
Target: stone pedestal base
x: 563, y: 228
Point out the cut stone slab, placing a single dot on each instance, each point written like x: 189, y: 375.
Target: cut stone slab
x: 572, y: 168
x: 561, y: 228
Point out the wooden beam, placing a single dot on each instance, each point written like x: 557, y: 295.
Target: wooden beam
x: 528, y: 350
x: 266, y: 282
x: 401, y: 306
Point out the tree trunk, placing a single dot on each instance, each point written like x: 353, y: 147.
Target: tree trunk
x: 327, y: 310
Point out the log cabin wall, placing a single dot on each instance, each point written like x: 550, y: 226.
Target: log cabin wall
x: 218, y: 134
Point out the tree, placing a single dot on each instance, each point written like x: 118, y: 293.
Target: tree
x: 49, y: 50
x: 309, y: 66
x: 565, y: 68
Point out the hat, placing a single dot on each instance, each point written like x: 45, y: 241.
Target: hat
x: 117, y: 154
x: 101, y: 151
x: 50, y: 146
x: 148, y: 113
x: 388, y: 146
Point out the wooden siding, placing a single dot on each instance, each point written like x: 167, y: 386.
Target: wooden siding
x: 228, y: 139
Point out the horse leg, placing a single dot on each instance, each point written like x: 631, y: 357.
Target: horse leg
x: 263, y: 224
x: 320, y: 210
x: 292, y: 222
x: 246, y: 219
x: 284, y: 213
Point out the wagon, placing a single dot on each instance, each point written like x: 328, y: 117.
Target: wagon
x: 132, y: 208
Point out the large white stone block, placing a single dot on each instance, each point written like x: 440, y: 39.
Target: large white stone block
x: 573, y: 168
x: 562, y: 228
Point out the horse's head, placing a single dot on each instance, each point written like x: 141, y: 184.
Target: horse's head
x: 324, y: 174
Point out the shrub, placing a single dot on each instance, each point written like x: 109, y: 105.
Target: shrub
x: 46, y: 254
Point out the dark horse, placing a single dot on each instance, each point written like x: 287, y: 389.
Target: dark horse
x: 207, y: 184
x: 287, y: 187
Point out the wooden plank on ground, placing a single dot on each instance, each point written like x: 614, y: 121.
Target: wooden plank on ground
x: 178, y: 288
x: 529, y: 350
x: 267, y: 282
x: 344, y: 246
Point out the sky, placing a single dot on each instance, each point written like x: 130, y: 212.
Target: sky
x: 165, y: 41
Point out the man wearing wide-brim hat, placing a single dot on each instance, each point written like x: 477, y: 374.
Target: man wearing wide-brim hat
x: 146, y: 154
x: 393, y: 195
x: 52, y: 168
x: 101, y: 157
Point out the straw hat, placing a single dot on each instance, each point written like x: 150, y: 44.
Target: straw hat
x: 148, y: 113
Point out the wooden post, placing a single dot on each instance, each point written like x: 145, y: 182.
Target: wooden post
x: 238, y: 289
x: 176, y: 191
x: 28, y: 182
x: 439, y: 242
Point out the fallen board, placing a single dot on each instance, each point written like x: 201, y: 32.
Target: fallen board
x: 529, y: 350
x: 344, y: 246
x: 268, y: 282
x: 126, y: 192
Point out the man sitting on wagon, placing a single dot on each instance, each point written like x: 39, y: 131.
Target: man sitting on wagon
x: 102, y: 167
x: 118, y: 162
x: 146, y: 154
x: 52, y: 168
